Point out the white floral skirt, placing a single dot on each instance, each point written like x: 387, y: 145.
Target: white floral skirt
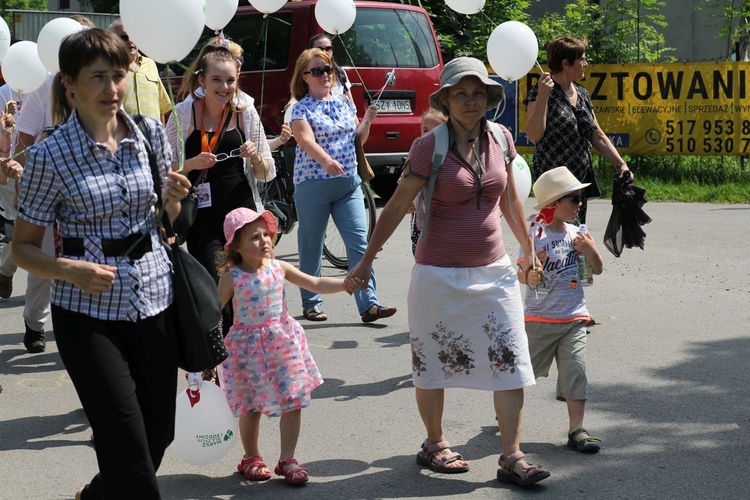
x: 466, y: 326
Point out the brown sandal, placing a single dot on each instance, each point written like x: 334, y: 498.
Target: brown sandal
x: 431, y: 457
x: 531, y: 474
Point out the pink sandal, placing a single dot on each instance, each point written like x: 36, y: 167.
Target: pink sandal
x: 296, y: 475
x: 250, y: 467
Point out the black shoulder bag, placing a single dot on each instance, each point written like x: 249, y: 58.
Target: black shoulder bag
x: 197, y: 307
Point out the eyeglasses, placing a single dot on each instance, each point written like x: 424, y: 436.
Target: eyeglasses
x: 575, y: 198
x: 225, y: 156
x: 327, y: 49
x: 318, y: 71
x: 125, y: 37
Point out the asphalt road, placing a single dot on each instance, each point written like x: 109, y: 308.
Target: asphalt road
x: 667, y: 366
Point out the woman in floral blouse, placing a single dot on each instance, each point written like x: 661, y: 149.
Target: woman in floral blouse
x: 326, y: 182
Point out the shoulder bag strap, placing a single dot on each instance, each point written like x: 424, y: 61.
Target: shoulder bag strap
x: 138, y: 119
x: 439, y: 153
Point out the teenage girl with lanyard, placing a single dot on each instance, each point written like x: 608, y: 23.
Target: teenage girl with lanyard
x: 225, y: 149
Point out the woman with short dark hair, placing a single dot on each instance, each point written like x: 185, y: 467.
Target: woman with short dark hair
x: 561, y: 120
x: 112, y: 288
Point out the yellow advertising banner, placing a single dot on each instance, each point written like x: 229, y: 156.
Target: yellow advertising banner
x: 697, y: 108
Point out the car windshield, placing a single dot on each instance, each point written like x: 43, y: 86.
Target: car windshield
x: 387, y: 38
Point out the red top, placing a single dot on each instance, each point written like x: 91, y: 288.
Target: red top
x: 464, y: 228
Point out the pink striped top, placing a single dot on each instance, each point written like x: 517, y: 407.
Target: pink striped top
x: 464, y: 228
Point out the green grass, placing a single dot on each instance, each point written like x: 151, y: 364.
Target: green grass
x: 697, y: 179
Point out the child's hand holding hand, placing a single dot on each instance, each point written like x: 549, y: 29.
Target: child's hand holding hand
x: 351, y: 285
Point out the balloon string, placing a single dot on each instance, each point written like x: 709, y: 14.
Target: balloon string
x: 351, y: 60
x: 536, y: 63
x: 181, y: 151
x: 263, y: 74
x: 180, y: 159
x: 379, y: 93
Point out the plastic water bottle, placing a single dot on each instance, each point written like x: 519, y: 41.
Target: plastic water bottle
x: 585, y: 272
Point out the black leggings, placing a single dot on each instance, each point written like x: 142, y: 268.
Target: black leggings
x: 125, y: 374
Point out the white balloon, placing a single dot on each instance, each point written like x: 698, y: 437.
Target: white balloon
x: 465, y: 6
x: 204, y: 433
x: 165, y: 30
x: 4, y: 38
x: 522, y: 177
x: 220, y: 12
x: 22, y: 69
x: 50, y: 38
x: 267, y: 6
x: 335, y: 16
x: 512, y: 50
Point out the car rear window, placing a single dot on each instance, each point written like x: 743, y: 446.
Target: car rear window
x: 387, y: 38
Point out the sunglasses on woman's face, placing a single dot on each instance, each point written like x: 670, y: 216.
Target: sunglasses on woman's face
x: 575, y: 198
x: 327, y: 49
x: 318, y: 71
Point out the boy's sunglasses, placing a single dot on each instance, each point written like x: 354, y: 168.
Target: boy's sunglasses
x: 318, y: 71
x: 575, y: 198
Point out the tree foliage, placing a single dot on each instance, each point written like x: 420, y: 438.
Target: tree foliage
x: 462, y: 35
x: 734, y: 24
x: 620, y: 31
x: 623, y: 31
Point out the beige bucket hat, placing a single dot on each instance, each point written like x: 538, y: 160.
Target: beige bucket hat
x: 467, y: 66
x: 554, y: 184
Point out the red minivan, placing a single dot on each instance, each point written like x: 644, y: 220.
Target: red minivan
x: 385, y: 36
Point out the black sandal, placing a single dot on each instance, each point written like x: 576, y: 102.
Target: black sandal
x: 314, y: 314
x: 380, y: 312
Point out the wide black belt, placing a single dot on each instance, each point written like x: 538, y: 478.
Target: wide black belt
x: 115, y: 247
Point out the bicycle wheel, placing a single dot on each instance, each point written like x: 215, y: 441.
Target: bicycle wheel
x: 333, y: 248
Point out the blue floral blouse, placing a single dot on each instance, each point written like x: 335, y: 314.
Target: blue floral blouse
x: 333, y: 123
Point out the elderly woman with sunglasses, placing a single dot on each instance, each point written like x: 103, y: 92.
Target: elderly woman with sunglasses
x: 325, y: 177
x: 561, y: 120
x: 226, y: 150
x: 466, y: 317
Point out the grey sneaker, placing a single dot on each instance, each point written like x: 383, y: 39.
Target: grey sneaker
x: 6, y: 286
x: 34, y: 340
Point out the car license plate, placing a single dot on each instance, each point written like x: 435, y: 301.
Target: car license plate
x: 394, y: 106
